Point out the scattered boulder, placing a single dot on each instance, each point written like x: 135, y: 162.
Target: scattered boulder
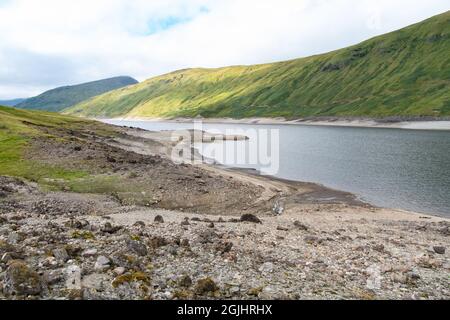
x: 89, y: 253
x: 312, y: 240
x: 185, y: 281
x: 207, y: 236
x: 278, y: 208
x: 73, y: 250
x: 157, y: 242
x: 378, y: 247
x: 137, y: 247
x: 300, y: 226
x: 439, y: 249
x: 224, y: 247
x: 159, y: 219
x: 73, y: 277
x: 205, y: 286
x: 185, y: 243
x: 102, y: 263
x: 61, y: 255
x: 109, y: 228
x: 139, y: 224
x: 21, y: 280
x: 266, y: 267
x: 119, y: 271
x: 250, y: 218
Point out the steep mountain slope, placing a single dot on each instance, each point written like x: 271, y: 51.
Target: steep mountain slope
x: 63, y: 97
x: 406, y: 72
x: 11, y: 103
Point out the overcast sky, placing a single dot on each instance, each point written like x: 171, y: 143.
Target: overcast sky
x: 49, y: 43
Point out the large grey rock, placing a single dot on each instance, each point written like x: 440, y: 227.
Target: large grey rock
x: 21, y: 280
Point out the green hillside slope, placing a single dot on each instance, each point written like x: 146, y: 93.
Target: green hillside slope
x: 406, y: 72
x: 63, y: 97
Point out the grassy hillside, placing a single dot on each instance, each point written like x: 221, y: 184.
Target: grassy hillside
x: 18, y: 130
x: 406, y: 72
x: 63, y: 97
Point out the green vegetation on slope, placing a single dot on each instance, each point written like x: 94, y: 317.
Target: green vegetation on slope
x: 17, y: 130
x: 406, y: 72
x: 64, y: 97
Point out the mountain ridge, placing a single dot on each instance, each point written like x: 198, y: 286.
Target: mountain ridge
x: 401, y: 73
x: 11, y: 102
x: 63, y: 97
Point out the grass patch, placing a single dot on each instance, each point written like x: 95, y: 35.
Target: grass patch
x: 17, y: 130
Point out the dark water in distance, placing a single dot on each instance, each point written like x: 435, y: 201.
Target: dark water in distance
x: 393, y: 168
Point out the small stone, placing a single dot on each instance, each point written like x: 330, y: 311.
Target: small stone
x: 73, y: 278
x: 300, y: 226
x: 119, y: 271
x: 157, y: 242
x: 267, y: 293
x: 255, y: 291
x: 185, y: 243
x: 266, y: 267
x: 159, y: 219
x: 211, y: 225
x: 185, y: 222
x: 137, y: 247
x: 53, y: 276
x: 205, y: 286
x: 224, y: 247
x: 109, y: 228
x: 185, y: 281
x: 282, y: 229
x: 89, y: 253
x: 73, y: 250
x: 207, y: 236
x: 102, y: 263
x: 250, y: 218
x: 378, y: 248
x: 439, y: 249
x: 312, y: 240
x: 140, y: 224
x: 61, y: 255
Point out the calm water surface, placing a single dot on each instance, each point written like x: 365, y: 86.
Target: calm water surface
x: 394, y: 168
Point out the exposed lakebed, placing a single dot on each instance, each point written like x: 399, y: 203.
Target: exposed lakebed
x: 405, y: 169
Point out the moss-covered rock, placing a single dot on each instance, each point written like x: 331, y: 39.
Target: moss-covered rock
x: 21, y: 280
x: 205, y: 286
x: 131, y: 277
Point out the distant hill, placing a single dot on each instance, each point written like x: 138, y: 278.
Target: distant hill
x: 11, y: 103
x: 63, y: 97
x: 406, y: 73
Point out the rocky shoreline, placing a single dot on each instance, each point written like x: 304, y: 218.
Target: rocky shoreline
x: 205, y: 233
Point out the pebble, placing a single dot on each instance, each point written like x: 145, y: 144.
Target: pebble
x: 102, y: 263
x: 439, y: 249
x: 159, y: 219
x: 89, y: 253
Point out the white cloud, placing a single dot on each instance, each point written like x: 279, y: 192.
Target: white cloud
x: 49, y: 43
